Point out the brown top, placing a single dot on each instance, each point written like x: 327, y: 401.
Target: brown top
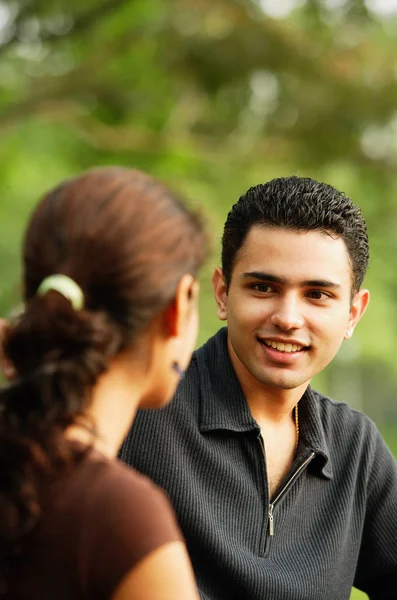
x: 98, y: 521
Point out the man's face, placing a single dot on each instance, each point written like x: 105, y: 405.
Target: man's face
x: 288, y: 306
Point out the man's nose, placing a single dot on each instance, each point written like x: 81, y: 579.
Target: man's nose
x: 287, y: 314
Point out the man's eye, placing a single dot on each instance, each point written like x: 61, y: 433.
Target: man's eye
x: 262, y: 287
x: 317, y: 295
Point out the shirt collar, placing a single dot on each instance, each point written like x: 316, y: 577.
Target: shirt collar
x: 224, y: 406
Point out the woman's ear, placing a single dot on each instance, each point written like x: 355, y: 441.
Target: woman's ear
x: 179, y: 310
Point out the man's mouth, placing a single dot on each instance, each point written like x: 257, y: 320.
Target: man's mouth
x: 283, y: 346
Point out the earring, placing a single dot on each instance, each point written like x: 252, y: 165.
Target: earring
x: 348, y: 334
x: 176, y: 367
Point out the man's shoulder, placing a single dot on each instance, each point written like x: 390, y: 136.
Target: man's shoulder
x: 341, y: 419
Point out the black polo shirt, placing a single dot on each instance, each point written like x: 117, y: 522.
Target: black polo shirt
x: 331, y: 525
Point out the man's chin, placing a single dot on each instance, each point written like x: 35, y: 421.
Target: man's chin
x: 284, y: 382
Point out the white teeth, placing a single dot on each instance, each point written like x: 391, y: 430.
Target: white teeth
x: 281, y: 347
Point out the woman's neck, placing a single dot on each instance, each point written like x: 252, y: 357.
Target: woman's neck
x: 115, y: 400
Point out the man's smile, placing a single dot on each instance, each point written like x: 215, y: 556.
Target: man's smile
x: 283, y: 346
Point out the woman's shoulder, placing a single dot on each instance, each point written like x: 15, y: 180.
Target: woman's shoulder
x: 97, y: 484
x: 123, y: 517
x: 111, y: 481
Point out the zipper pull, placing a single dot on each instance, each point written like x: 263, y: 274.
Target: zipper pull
x: 271, y: 520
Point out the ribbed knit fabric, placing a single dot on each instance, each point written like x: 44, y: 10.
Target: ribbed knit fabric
x: 334, y: 527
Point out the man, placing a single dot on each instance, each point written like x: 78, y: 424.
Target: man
x: 282, y: 493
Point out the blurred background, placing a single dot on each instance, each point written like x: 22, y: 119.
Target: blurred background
x: 213, y: 96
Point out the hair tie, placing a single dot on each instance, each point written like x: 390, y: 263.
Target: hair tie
x: 64, y: 285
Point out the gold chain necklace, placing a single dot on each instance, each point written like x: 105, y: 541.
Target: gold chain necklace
x: 296, y: 426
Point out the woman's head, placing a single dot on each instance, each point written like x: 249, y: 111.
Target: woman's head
x: 134, y: 250
x: 130, y: 251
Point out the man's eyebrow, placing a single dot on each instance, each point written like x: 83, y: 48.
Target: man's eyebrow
x: 265, y: 277
x: 321, y: 283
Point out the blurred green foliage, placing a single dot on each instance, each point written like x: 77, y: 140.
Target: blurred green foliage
x: 212, y: 96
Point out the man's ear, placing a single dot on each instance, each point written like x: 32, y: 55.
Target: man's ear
x: 358, y: 308
x: 6, y: 368
x: 220, y: 293
x: 178, y: 311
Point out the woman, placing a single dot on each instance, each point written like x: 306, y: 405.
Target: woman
x: 110, y: 320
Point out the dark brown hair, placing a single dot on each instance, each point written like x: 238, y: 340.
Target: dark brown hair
x: 126, y: 240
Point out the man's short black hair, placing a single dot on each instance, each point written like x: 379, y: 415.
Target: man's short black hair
x: 299, y: 204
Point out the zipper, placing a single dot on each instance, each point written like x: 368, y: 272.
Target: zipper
x: 271, y: 520
x: 284, y: 489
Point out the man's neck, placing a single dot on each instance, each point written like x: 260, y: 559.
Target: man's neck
x: 274, y: 412
x: 271, y: 404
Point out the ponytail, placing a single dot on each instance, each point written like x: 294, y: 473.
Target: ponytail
x: 58, y: 354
